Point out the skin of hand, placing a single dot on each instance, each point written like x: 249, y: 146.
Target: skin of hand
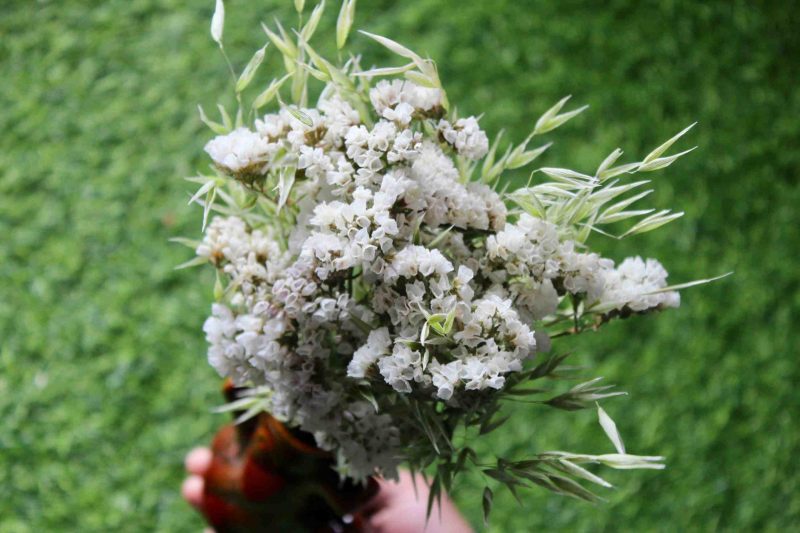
x: 398, y: 507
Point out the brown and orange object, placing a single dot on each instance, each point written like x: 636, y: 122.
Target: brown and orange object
x: 267, y: 477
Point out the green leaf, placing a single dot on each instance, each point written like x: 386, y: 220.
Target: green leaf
x: 551, y: 119
x: 385, y: 71
x: 610, y: 428
x: 395, y: 47
x: 434, y: 494
x: 652, y: 156
x: 216, y: 127
x: 442, y: 234
x: 524, y: 392
x: 367, y: 395
x: 269, y: 93
x: 662, y: 162
x: 525, y: 157
x: 488, y: 427
x: 345, y: 22
x: 192, y: 263
x: 189, y: 243
x: 652, y: 222
x: 608, y: 161
x: 463, y: 455
x: 207, y: 205
x: 250, y: 70
x: 488, y: 498
x: 548, y: 366
x: 689, y: 284
x: 226, y: 118
x: 619, y: 206
x: 207, y: 186
x: 286, y: 179
x: 616, y: 171
x: 571, y: 488
x: 219, y: 290
x: 282, y: 43
x: 578, y: 471
x: 313, y: 21
x: 300, y: 115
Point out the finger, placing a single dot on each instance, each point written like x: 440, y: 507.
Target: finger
x: 192, y: 490
x: 198, y: 461
x: 379, y: 500
x: 375, y: 504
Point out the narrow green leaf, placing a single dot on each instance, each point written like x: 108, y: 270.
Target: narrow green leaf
x: 216, y: 127
x: 662, y: 162
x: 202, y: 190
x: 250, y: 70
x: 578, y: 471
x: 610, y: 429
x: 386, y: 71
x: 313, y: 21
x: 192, y: 263
x: 286, y: 46
x: 488, y: 427
x: 571, y: 488
x: 226, y: 118
x: 664, y: 147
x: 488, y: 498
x: 269, y: 93
x: 189, y: 243
x: 689, y: 284
x: 608, y: 161
x: 652, y: 222
x: 616, y: 171
x: 345, y: 22
x: 524, y: 158
x: 300, y: 115
x: 395, y: 47
x: 285, y: 183
x: 550, y: 113
x: 433, y: 495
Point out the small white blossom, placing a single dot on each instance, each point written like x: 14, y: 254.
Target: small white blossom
x: 466, y: 137
x: 239, y: 151
x: 634, y: 283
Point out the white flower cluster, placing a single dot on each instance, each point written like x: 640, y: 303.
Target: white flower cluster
x: 400, y: 276
x: 240, y: 151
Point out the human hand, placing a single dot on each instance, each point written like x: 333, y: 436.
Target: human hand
x: 397, y: 508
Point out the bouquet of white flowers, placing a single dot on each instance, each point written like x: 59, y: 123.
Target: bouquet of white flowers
x: 379, y: 288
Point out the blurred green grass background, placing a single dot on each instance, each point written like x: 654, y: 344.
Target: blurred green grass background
x: 103, y: 380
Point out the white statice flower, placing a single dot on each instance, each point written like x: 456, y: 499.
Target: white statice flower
x: 226, y: 239
x: 315, y: 162
x: 402, y: 98
x: 273, y: 126
x: 339, y: 116
x: 240, y: 151
x: 377, y: 346
x: 402, y: 367
x: 449, y: 201
x: 581, y: 272
x: 636, y: 284
x: 466, y: 136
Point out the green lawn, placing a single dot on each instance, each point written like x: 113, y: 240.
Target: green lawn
x: 103, y: 380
